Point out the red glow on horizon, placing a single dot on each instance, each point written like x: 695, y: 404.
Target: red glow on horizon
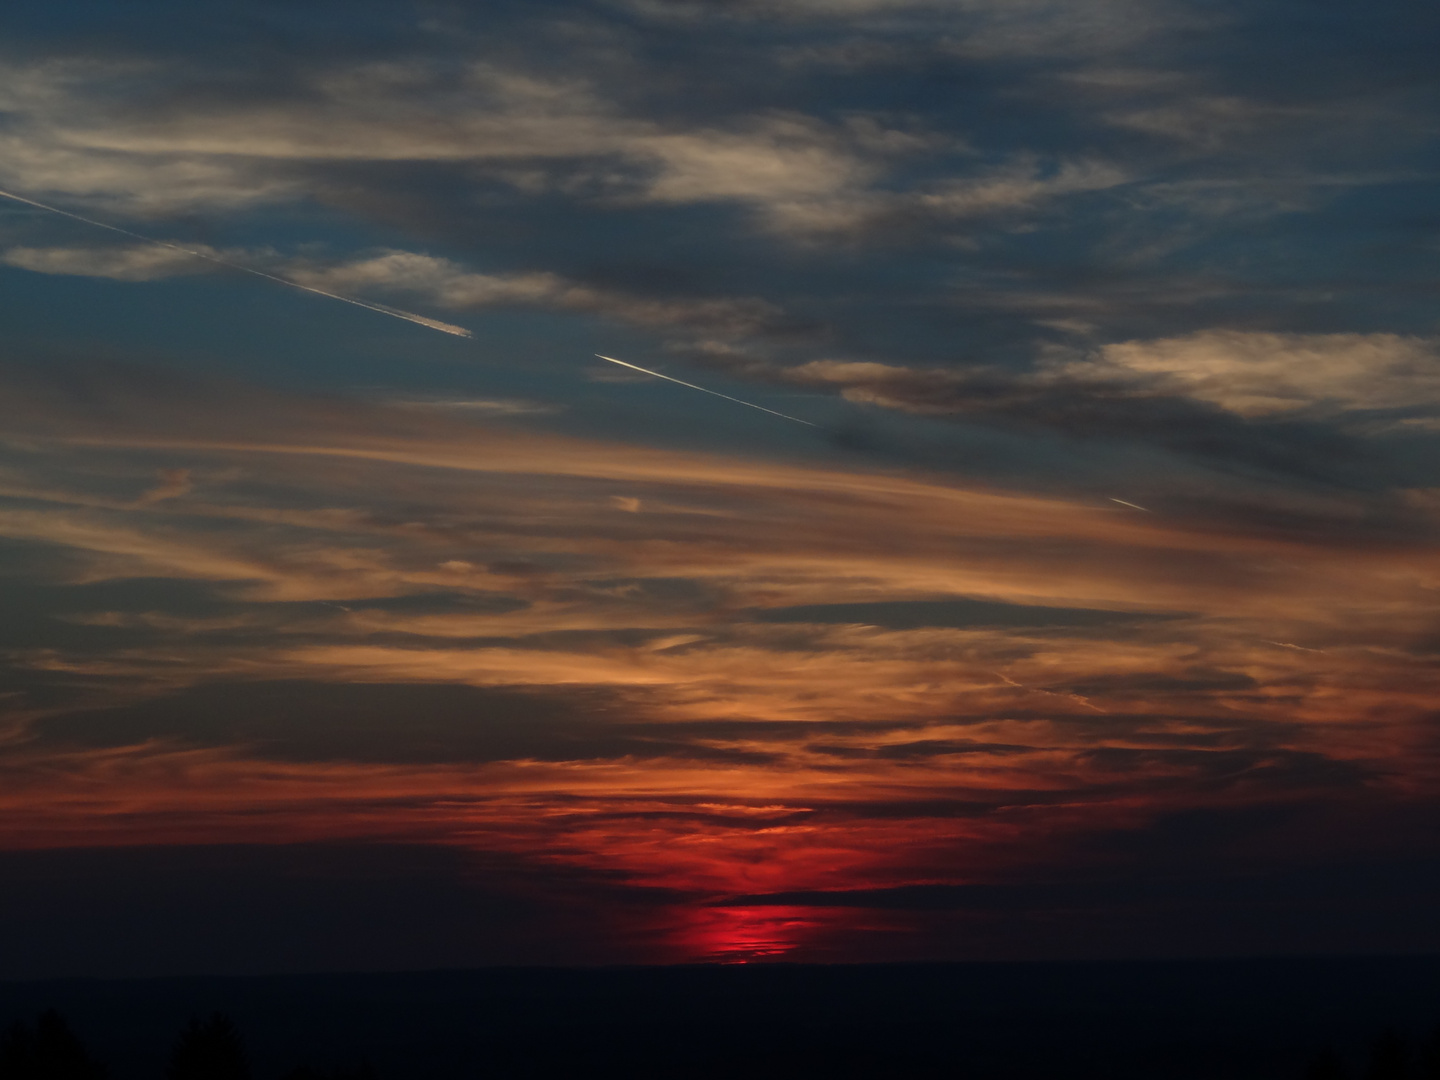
x: 743, y: 935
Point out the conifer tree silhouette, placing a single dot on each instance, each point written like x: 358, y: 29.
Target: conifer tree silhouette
x: 48, y: 1051
x: 209, y: 1050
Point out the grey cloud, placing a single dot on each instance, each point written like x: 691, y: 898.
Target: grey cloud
x: 520, y: 125
x: 436, y: 281
x: 143, y: 262
x: 1262, y: 401
x: 1268, y: 374
x: 1005, y: 195
x: 1193, y: 680
x: 904, y: 615
x: 1225, y: 769
x: 45, y: 615
x: 535, y: 132
x: 1249, y: 374
x: 403, y: 723
x: 446, y: 284
x: 314, y: 721
x: 477, y: 138
x: 922, y: 750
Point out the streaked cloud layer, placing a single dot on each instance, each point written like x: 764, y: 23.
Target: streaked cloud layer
x: 714, y: 677
x: 651, y: 679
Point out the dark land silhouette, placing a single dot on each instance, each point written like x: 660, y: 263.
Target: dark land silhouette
x: 1390, y: 1056
x: 46, y: 1050
x: 1301, y: 1019
x: 209, y: 1050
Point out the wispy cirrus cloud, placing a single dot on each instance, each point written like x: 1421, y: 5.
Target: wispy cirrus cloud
x: 1266, y: 374
x: 1249, y: 374
x: 1295, y: 403
x: 529, y: 129
x: 709, y: 676
x: 439, y: 282
x: 799, y: 175
x: 138, y: 262
x: 446, y: 284
x: 897, y: 674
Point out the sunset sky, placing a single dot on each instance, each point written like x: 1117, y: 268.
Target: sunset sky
x: 1093, y: 611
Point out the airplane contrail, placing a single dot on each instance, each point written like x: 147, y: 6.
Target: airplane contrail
x: 716, y: 393
x: 1132, y: 506
x: 419, y: 320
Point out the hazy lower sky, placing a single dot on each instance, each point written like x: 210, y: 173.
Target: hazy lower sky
x: 1095, y: 614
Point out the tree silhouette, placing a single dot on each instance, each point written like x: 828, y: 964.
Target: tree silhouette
x: 1389, y: 1057
x: 1327, y: 1065
x: 209, y: 1050
x: 48, y: 1051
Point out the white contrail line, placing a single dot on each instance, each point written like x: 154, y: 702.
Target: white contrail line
x: 1291, y: 645
x: 1132, y: 506
x: 716, y: 393
x: 419, y: 320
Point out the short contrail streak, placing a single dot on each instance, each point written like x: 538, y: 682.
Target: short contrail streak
x: 716, y: 393
x: 1132, y: 506
x: 396, y: 313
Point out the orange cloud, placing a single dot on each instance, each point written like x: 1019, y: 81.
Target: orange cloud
x: 764, y: 689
